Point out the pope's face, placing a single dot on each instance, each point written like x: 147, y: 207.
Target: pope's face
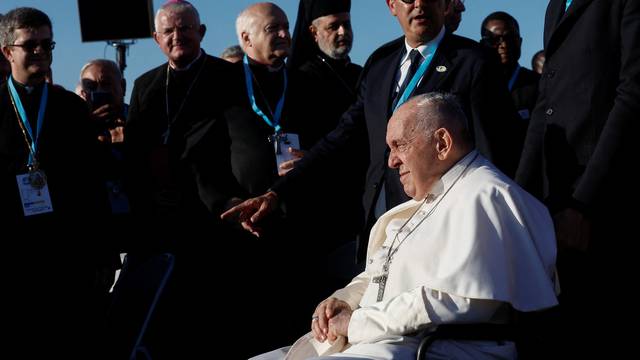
x: 413, y: 153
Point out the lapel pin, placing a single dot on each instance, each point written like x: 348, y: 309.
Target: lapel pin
x: 441, y: 68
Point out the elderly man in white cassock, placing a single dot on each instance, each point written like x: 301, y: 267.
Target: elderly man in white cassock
x: 469, y: 247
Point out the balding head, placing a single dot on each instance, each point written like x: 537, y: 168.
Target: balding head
x: 427, y: 135
x: 102, y: 76
x: 263, y: 33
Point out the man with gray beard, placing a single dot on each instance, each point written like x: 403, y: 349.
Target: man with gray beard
x: 327, y: 81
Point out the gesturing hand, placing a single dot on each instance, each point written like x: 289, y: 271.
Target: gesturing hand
x: 249, y: 212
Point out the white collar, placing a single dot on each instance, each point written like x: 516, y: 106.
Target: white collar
x: 449, y: 178
x: 422, y: 48
x: 188, y: 65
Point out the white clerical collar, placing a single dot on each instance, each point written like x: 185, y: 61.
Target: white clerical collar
x: 452, y: 175
x: 422, y: 48
x: 189, y: 65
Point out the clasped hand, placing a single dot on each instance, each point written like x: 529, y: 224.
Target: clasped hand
x: 331, y: 320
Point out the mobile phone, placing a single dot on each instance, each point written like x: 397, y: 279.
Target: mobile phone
x: 99, y: 98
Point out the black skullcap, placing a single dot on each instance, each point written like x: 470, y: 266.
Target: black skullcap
x: 319, y: 8
x: 303, y: 47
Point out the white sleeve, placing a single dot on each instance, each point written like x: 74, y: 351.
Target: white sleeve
x: 415, y: 310
x: 353, y: 292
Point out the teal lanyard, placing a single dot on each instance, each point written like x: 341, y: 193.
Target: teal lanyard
x: 512, y: 81
x: 567, y: 4
x: 248, y: 76
x: 431, y: 50
x: 33, y: 145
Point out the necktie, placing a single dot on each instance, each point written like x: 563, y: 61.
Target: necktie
x: 416, y: 58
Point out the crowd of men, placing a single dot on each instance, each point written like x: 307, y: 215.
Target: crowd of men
x: 440, y: 183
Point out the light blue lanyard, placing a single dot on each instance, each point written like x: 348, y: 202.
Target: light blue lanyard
x: 33, y: 145
x: 567, y: 4
x: 431, y: 50
x: 248, y: 76
x: 514, y: 77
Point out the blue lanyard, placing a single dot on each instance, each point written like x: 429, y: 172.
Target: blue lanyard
x: 33, y: 146
x: 431, y: 50
x: 514, y: 77
x: 567, y: 4
x: 248, y: 76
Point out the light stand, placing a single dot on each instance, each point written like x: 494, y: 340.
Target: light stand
x: 122, y: 47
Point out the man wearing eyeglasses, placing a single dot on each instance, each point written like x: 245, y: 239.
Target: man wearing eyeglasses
x: 48, y: 186
x: 501, y: 33
x: 424, y: 59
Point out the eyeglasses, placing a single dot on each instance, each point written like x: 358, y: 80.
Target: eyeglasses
x: 494, y: 40
x: 32, y: 45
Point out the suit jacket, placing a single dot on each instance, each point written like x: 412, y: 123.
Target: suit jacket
x: 178, y: 181
x: 579, y: 143
x: 468, y: 73
x: 525, y: 93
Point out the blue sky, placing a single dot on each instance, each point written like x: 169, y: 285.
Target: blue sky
x: 372, y: 23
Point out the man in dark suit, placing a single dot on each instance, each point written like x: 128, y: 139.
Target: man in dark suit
x: 49, y: 189
x: 579, y: 149
x: 451, y: 63
x: 501, y: 33
x: 167, y: 153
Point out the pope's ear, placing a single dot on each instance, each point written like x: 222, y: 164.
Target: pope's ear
x: 444, y: 143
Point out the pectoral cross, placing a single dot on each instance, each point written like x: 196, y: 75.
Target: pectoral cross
x: 381, y: 280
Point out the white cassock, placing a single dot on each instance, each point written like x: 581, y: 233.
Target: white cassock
x: 477, y: 244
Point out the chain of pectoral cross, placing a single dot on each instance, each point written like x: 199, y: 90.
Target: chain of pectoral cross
x: 381, y: 279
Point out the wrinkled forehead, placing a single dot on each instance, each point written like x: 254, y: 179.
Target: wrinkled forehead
x: 29, y: 33
x: 100, y: 73
x: 402, y: 124
x: 327, y: 19
x: 270, y: 15
x: 171, y: 17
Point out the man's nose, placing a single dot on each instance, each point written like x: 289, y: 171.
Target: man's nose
x: 394, y: 161
x: 283, y: 33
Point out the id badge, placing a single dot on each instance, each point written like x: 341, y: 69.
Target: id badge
x: 282, y: 144
x: 34, y: 193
